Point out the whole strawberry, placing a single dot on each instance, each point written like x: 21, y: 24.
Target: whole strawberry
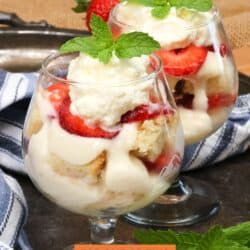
x: 101, y: 8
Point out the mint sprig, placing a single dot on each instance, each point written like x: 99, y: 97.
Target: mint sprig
x: 102, y: 45
x: 215, y: 239
x: 183, y: 241
x: 81, y: 6
x: 233, y: 238
x: 162, y: 11
x: 135, y: 44
x: 239, y: 233
x: 161, y: 8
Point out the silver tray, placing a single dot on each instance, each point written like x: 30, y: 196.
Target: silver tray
x: 23, y: 46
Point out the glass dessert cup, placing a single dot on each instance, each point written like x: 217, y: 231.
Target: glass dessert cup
x: 201, y: 72
x: 89, y: 168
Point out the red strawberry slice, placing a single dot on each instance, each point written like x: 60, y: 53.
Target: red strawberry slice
x: 183, y: 62
x: 223, y: 49
x: 146, y: 112
x: 221, y: 100
x: 57, y: 92
x: 214, y: 101
x: 76, y: 125
x: 164, y: 160
x: 101, y: 8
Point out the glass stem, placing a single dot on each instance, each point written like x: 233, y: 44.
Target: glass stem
x: 102, y: 229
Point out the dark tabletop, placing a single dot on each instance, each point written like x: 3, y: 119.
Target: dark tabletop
x: 51, y: 227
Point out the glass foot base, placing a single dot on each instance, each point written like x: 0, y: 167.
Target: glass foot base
x: 187, y: 202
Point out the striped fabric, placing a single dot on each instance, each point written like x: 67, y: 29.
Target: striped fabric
x: 231, y: 139
x: 15, y: 90
x: 13, y: 212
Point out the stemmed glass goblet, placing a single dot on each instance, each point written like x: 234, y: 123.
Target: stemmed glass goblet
x: 89, y: 169
x: 201, y: 72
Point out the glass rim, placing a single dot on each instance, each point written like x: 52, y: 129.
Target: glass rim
x: 54, y: 56
x: 214, y: 10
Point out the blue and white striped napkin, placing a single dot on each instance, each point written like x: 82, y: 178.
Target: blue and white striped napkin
x: 13, y: 206
x: 16, y: 89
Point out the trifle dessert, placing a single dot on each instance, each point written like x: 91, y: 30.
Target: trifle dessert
x: 102, y: 136
x: 196, y: 56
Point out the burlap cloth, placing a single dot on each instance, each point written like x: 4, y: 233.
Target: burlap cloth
x: 235, y: 13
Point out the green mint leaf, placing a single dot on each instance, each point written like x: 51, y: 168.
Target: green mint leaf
x: 135, y: 44
x: 215, y: 239
x: 200, y: 5
x: 104, y: 42
x: 187, y: 240
x: 105, y: 55
x: 100, y: 29
x: 239, y: 233
x: 152, y: 3
x: 74, y: 44
x: 88, y: 45
x: 161, y: 12
x: 160, y: 8
x: 82, y: 6
x: 183, y: 241
x: 151, y: 237
x: 101, y: 44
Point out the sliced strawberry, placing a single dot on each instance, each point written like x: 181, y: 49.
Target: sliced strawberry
x: 76, y: 125
x: 221, y: 100
x: 101, y: 8
x: 210, y: 48
x: 214, y: 101
x: 223, y: 49
x: 57, y: 92
x: 145, y: 112
x: 183, y: 62
x: 164, y: 160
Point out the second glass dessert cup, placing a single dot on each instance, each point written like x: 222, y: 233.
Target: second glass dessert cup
x: 200, y: 69
x: 89, y: 168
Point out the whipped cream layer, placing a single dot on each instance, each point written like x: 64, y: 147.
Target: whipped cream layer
x: 103, y: 93
x: 172, y: 32
x: 93, y: 175
x: 216, y: 76
x: 126, y: 182
x: 198, y: 125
